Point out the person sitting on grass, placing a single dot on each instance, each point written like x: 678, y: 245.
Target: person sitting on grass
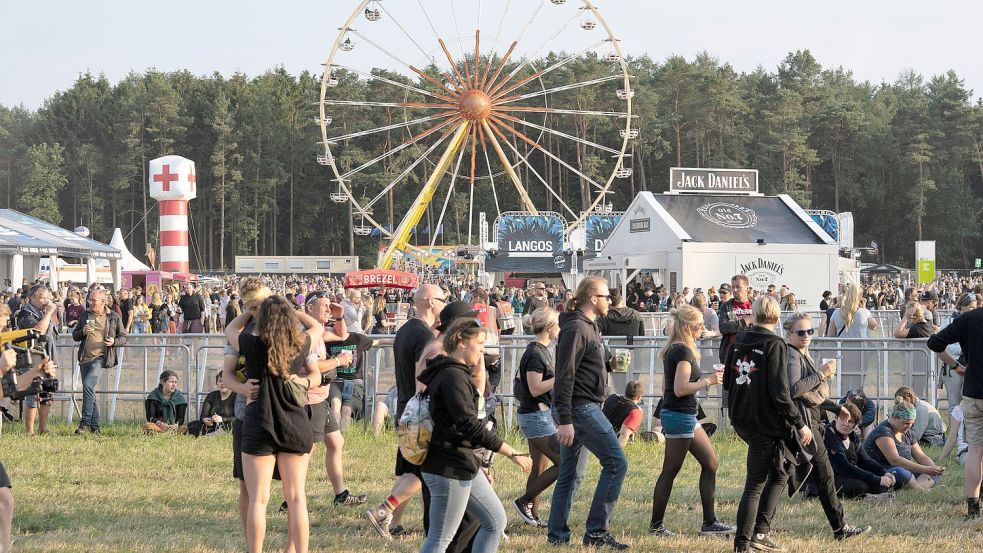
x: 385, y: 412
x: 855, y: 474
x: 929, y: 427
x: 956, y: 440
x: 892, y: 446
x: 217, y: 411
x: 166, y: 406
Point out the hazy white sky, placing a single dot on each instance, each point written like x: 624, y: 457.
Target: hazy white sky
x: 44, y: 44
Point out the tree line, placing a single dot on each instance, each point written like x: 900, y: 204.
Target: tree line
x: 906, y: 157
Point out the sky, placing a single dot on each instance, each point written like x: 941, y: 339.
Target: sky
x: 45, y: 44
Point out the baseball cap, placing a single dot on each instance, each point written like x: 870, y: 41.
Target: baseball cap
x: 724, y: 288
x: 453, y: 311
x: 929, y: 295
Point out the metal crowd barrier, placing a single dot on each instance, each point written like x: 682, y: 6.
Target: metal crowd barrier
x: 880, y: 365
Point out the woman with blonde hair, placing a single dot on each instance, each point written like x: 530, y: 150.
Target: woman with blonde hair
x: 533, y: 387
x: 682, y: 381
x: 850, y: 319
x: 381, y: 323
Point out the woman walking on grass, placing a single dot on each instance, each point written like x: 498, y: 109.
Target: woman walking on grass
x: 276, y: 431
x: 533, y: 388
x: 681, y: 362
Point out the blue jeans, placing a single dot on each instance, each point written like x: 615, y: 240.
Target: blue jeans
x: 449, y: 499
x: 592, y: 431
x: 91, y: 373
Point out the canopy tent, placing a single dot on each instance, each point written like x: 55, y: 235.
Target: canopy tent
x: 884, y: 269
x: 378, y: 278
x: 25, y: 241
x: 128, y: 261
x: 701, y: 240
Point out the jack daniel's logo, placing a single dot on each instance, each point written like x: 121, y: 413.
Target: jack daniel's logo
x: 729, y: 215
x: 761, y: 272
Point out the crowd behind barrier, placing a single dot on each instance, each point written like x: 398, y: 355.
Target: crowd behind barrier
x: 878, y: 364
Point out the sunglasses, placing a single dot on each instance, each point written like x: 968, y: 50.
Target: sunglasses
x: 803, y: 333
x: 314, y: 296
x: 605, y: 296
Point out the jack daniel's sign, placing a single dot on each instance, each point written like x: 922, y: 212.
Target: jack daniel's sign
x: 685, y: 180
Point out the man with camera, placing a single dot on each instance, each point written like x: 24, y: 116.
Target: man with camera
x: 36, y: 314
x: 99, y: 332
x: 7, y: 361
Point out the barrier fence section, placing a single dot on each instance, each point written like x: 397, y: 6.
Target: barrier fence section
x: 879, y: 365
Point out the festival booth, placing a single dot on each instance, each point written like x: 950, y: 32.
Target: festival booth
x: 700, y: 235
x: 27, y: 245
x: 382, y: 279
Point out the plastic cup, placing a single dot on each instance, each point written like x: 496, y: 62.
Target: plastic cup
x: 719, y: 369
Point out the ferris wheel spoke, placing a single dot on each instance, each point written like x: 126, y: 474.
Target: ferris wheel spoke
x: 477, y: 56
x: 450, y: 59
x: 529, y: 57
x: 365, y: 103
x: 501, y: 65
x: 405, y: 172
x: 551, y: 155
x: 377, y: 47
x: 474, y: 150
x: 370, y: 75
x: 443, y: 115
x: 497, y: 92
x: 408, y: 35
x: 501, y: 22
x: 548, y: 91
x: 491, y: 174
x: 538, y: 109
x: 556, y: 133
x: 532, y: 18
x: 399, y: 148
x: 447, y: 198
x: 457, y: 29
x: 525, y: 160
x: 439, y: 84
x: 429, y: 21
x: 523, y: 194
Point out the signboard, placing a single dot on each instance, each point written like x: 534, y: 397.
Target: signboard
x: 381, y: 277
x: 828, y: 221
x: 589, y: 238
x: 925, y: 261
x: 979, y: 263
x: 761, y: 272
x: 688, y: 180
x: 528, y: 243
x: 640, y: 225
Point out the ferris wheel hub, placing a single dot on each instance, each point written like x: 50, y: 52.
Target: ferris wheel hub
x: 475, y: 105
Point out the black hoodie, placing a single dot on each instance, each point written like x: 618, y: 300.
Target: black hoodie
x: 580, y: 361
x: 621, y: 321
x: 457, y: 430
x: 756, y: 377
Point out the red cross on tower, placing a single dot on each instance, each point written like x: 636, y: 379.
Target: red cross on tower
x: 167, y: 177
x: 191, y: 178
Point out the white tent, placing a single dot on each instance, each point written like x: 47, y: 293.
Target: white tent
x: 701, y: 240
x: 128, y: 262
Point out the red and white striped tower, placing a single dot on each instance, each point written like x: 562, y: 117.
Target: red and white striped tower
x: 172, y: 183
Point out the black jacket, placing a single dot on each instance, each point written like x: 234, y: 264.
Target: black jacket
x: 114, y: 328
x: 757, y: 381
x: 581, y: 359
x: 967, y: 329
x: 621, y: 321
x: 457, y: 430
x: 730, y: 325
x: 851, y: 460
x: 802, y: 378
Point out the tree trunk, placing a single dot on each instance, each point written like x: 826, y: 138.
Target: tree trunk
x: 221, y: 222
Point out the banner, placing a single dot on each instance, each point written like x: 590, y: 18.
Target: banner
x: 713, y: 181
x: 590, y: 236
x: 925, y: 260
x: 377, y: 278
x: 828, y: 221
x: 846, y: 230
x: 528, y: 243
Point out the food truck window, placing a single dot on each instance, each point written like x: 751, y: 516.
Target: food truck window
x: 323, y: 264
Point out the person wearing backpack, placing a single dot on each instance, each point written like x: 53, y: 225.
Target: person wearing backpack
x: 450, y: 470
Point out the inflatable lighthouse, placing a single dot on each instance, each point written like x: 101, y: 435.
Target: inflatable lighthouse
x: 172, y: 183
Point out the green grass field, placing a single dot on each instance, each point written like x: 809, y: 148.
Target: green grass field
x: 129, y: 493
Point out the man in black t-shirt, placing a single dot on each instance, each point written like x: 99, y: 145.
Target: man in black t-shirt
x: 348, y: 389
x: 536, y: 299
x: 126, y: 309
x: 411, y: 339
x: 192, y: 306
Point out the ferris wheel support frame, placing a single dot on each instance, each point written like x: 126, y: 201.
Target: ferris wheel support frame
x: 401, y: 236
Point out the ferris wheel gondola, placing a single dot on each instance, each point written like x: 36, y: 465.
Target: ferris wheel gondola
x: 479, y: 116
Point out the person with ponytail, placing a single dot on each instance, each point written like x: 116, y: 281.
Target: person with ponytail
x: 682, y: 381
x: 892, y: 446
x: 850, y: 319
x: 581, y: 361
x: 533, y: 388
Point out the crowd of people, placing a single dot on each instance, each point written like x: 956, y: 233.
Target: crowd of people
x: 292, y: 377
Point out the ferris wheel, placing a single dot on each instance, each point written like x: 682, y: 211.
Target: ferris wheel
x: 470, y: 110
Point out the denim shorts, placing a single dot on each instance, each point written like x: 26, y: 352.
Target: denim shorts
x: 678, y: 425
x: 537, y: 425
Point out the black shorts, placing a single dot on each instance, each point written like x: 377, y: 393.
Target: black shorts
x: 323, y: 421
x: 237, y: 450
x: 257, y: 441
x: 4, y: 479
x: 405, y: 467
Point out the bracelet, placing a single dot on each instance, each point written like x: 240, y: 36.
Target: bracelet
x: 339, y: 319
